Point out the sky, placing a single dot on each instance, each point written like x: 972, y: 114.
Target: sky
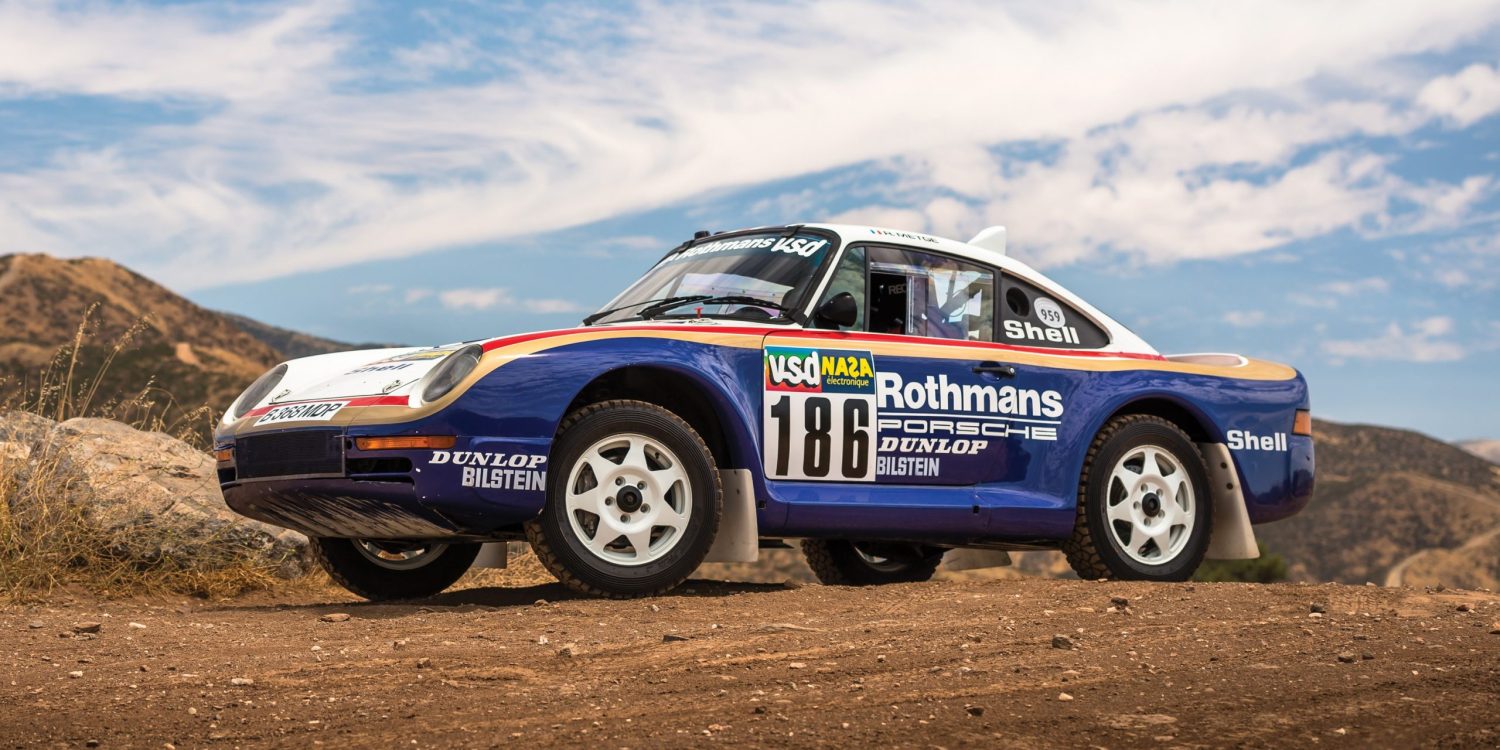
x: 1311, y: 182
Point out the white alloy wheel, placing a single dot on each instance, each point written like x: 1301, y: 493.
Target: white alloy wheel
x: 883, y: 564
x: 628, y: 499
x: 1151, y: 507
x: 396, y: 557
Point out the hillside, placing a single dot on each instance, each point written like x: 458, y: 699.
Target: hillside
x: 1384, y: 495
x: 179, y: 357
x: 1488, y: 450
x: 294, y: 344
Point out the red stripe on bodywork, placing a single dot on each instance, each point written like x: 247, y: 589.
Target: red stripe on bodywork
x: 835, y: 335
x: 356, y: 401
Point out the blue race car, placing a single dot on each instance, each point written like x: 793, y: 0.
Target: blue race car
x: 883, y: 396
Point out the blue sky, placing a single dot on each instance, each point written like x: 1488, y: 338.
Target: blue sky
x: 1313, y: 182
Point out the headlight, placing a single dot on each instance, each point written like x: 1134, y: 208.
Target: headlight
x: 257, y: 392
x: 450, y: 371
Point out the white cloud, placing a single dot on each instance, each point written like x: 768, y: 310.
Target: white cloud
x: 1186, y: 183
x: 605, y: 112
x: 1452, y: 278
x: 1466, y: 97
x: 552, y: 306
x: 1374, y: 284
x: 475, y: 299
x: 416, y: 295
x: 480, y: 299
x: 1245, y: 318
x: 1466, y: 263
x: 134, y: 51
x: 1422, y: 342
x: 363, y: 289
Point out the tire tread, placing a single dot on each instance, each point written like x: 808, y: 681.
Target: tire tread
x: 337, y: 571
x: 833, y: 568
x: 548, y: 556
x: 1082, y: 549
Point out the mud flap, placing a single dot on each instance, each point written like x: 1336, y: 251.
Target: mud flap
x: 493, y: 555
x: 739, y: 533
x: 1232, y: 537
x: 974, y: 559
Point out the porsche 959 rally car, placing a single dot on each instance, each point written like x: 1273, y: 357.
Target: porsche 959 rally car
x: 882, y: 396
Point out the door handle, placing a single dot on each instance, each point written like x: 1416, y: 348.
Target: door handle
x: 995, y: 368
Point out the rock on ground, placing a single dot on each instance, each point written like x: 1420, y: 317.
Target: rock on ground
x: 19, y: 431
x: 153, y: 496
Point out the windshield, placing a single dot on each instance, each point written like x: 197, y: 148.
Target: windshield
x: 747, y: 276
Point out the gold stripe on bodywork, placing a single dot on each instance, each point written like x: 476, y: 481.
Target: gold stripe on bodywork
x: 1252, y: 369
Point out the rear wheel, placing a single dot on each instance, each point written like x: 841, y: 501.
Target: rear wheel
x: 1144, y: 510
x: 837, y: 562
x: 384, y: 570
x: 633, y: 505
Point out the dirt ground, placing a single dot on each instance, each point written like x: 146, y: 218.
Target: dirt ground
x: 948, y: 663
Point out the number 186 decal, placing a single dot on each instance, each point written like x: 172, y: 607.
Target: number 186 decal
x: 820, y: 414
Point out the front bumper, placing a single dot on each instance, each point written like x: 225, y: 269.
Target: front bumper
x: 482, y: 488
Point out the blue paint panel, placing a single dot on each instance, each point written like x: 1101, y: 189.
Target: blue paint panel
x: 1021, y: 488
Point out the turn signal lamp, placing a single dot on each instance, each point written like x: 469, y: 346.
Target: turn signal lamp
x: 224, y: 455
x: 405, y: 443
x: 1302, y: 423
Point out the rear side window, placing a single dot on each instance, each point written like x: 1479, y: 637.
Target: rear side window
x: 1032, y: 317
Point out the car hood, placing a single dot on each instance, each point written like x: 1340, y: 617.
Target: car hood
x: 376, y: 372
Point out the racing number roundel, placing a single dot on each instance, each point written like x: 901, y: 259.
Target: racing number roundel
x: 1049, y: 312
x: 820, y: 411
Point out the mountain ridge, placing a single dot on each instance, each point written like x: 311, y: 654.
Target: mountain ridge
x: 160, y: 354
x: 1485, y: 448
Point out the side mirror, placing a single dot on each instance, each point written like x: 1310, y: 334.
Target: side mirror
x: 840, y: 311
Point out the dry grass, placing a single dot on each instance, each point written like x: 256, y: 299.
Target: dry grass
x: 522, y: 569
x: 46, y: 541
x: 62, y: 390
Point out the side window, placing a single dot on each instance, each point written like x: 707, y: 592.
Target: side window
x: 1032, y: 317
x: 849, y: 277
x: 920, y: 294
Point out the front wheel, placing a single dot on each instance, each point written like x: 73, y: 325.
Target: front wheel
x: 837, y: 562
x: 1144, y: 510
x: 633, y: 505
x: 383, y: 570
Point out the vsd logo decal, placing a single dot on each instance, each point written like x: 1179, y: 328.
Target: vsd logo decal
x: 819, y: 371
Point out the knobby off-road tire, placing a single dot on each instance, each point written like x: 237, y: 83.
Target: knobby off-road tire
x: 837, y: 562
x: 633, y: 501
x: 1116, y: 534
x: 359, y: 569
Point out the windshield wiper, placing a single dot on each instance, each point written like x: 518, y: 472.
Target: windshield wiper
x: 713, y: 299
x: 590, y: 320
